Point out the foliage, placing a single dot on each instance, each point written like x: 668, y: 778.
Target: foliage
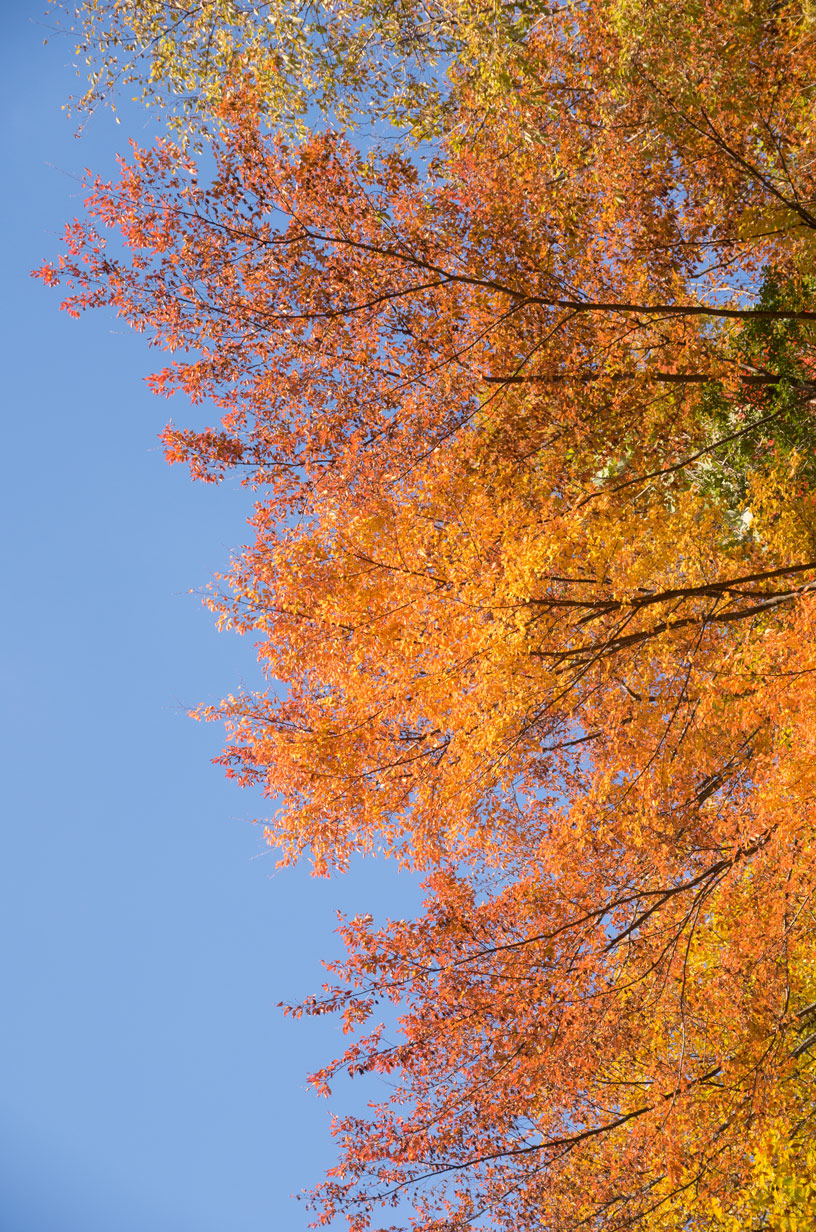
x: 504, y: 415
x: 779, y: 400
x: 353, y: 60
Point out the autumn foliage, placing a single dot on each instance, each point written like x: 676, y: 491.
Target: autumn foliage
x: 529, y: 416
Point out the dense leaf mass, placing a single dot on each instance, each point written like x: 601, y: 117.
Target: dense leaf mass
x: 530, y: 423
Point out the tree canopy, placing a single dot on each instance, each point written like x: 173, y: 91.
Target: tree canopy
x: 527, y: 404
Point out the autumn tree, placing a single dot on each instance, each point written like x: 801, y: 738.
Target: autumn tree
x: 401, y: 63
x: 535, y: 555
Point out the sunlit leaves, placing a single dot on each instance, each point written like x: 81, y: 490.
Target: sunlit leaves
x: 532, y: 576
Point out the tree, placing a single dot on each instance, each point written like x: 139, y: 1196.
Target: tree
x: 507, y: 416
x: 356, y: 62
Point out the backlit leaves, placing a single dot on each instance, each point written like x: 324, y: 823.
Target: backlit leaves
x: 532, y: 576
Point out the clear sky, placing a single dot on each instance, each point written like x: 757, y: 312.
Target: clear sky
x: 150, y: 1082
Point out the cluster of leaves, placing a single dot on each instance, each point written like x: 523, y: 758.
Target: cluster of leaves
x: 501, y: 413
x: 780, y: 401
x: 354, y: 60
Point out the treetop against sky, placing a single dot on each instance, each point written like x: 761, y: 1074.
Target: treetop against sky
x: 529, y: 428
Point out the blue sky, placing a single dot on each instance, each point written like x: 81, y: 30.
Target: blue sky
x: 150, y: 1081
